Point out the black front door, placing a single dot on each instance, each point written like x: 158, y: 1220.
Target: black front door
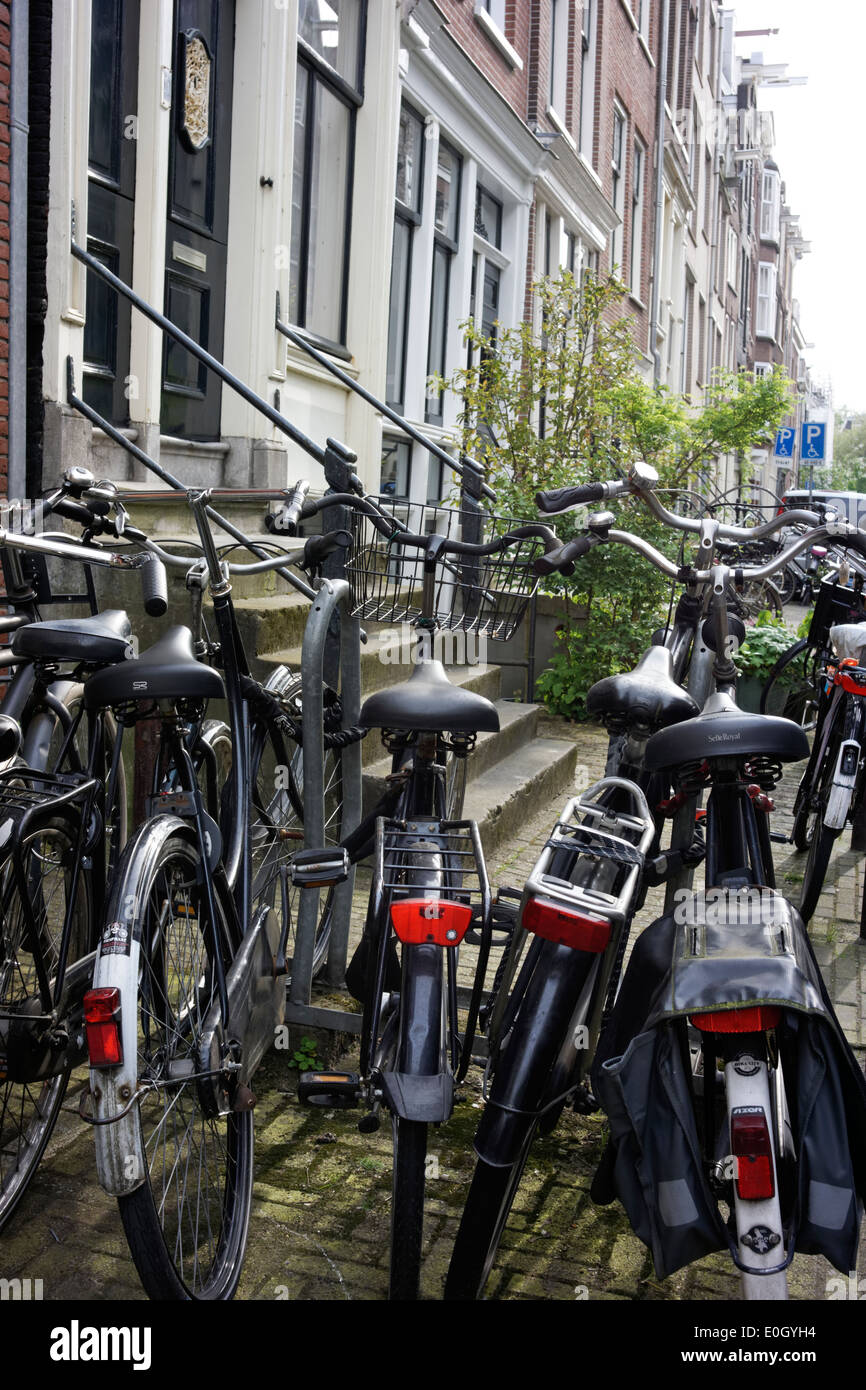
x: 198, y: 212
x: 110, y: 202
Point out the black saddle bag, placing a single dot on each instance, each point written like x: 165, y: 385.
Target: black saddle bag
x: 694, y: 961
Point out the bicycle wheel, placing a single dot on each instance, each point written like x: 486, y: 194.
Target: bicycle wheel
x: 187, y: 1223
x: 533, y: 1065
x: 29, y: 1109
x: 800, y: 700
x: 407, y: 1206
x: 277, y: 830
x: 811, y: 831
x: 488, y: 1206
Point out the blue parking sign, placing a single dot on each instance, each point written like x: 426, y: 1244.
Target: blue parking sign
x: 812, y: 434
x: 785, y: 442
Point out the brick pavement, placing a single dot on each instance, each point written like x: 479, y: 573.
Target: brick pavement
x: 322, y: 1196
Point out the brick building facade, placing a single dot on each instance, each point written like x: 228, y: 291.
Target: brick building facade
x: 470, y: 147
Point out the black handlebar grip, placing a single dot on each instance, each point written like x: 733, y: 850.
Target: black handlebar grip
x: 317, y: 548
x: 561, y: 498
x: 563, y: 558
x: 74, y: 511
x: 154, y: 586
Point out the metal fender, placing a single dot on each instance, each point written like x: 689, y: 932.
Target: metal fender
x: 112, y: 1089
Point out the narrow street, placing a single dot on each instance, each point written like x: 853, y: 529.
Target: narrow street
x: 322, y: 1194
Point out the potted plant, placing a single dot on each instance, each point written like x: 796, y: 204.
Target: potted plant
x: 769, y: 639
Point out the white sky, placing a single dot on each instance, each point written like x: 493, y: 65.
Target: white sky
x: 819, y: 152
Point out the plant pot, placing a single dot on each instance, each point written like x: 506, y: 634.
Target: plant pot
x: 749, y: 689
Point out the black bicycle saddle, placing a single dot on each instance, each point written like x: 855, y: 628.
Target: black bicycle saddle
x: 428, y: 700
x: 647, y: 695
x: 723, y: 730
x: 106, y: 637
x: 167, y: 670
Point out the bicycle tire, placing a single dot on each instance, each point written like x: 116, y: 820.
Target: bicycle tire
x: 784, y: 661
x: 29, y: 1110
x: 820, y: 838
x: 187, y: 1238
x: 489, y: 1200
x: 408, y: 1182
x: 276, y: 830
x: 494, y: 1186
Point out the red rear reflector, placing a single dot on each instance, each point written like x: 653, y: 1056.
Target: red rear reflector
x: 424, y: 921
x: 555, y: 923
x: 752, y: 1020
x: 102, y: 1022
x: 750, y: 1145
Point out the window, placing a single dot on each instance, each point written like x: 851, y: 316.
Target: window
x: 637, y: 208
x: 688, y: 335
x: 496, y: 10
x: 559, y: 56
x: 770, y: 190
x: 327, y: 95
x: 446, y: 215
x: 488, y: 217
x: 617, y: 164
x: 396, y: 467
x: 766, y: 324
x: 732, y: 256
x: 641, y: 10
x: 587, y: 77
x: 407, y: 215
x: 763, y: 369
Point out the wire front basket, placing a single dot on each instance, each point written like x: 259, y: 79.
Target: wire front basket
x: 486, y: 594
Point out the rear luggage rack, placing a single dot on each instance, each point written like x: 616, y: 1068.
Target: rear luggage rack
x: 449, y: 856
x: 568, y: 869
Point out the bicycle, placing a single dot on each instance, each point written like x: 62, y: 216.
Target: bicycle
x: 831, y: 789
x: 533, y: 1063
x: 64, y: 814
x: 430, y: 890
x: 190, y: 979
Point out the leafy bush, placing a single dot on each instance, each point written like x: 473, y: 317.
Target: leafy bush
x: 765, y: 643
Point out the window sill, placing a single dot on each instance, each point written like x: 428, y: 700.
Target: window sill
x: 560, y: 125
x: 588, y: 167
x: 631, y: 19
x: 645, y: 46
x: 637, y: 301
x: 497, y: 38
x: 325, y: 345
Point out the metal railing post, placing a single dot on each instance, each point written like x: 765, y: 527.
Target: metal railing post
x: 330, y: 595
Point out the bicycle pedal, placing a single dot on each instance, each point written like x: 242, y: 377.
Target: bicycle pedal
x: 338, y: 1090
x: 320, y: 868
x: 585, y: 1103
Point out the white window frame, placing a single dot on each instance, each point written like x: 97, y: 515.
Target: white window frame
x: 587, y: 78
x: 763, y: 369
x: 638, y: 183
x: 733, y: 256
x: 771, y: 184
x: 559, y: 23
x: 765, y: 325
x: 618, y: 164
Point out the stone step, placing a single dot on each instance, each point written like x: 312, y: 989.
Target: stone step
x: 518, y: 725
x: 378, y: 666
x: 511, y: 792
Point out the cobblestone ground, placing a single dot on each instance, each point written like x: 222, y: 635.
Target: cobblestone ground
x: 322, y: 1195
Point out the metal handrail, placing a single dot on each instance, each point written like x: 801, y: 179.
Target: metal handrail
x: 212, y: 363
x: 174, y: 483
x: 466, y: 464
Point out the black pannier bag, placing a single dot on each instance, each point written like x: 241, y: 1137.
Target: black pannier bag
x: 745, y: 948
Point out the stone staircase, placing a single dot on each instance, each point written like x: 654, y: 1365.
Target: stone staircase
x: 511, y: 775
